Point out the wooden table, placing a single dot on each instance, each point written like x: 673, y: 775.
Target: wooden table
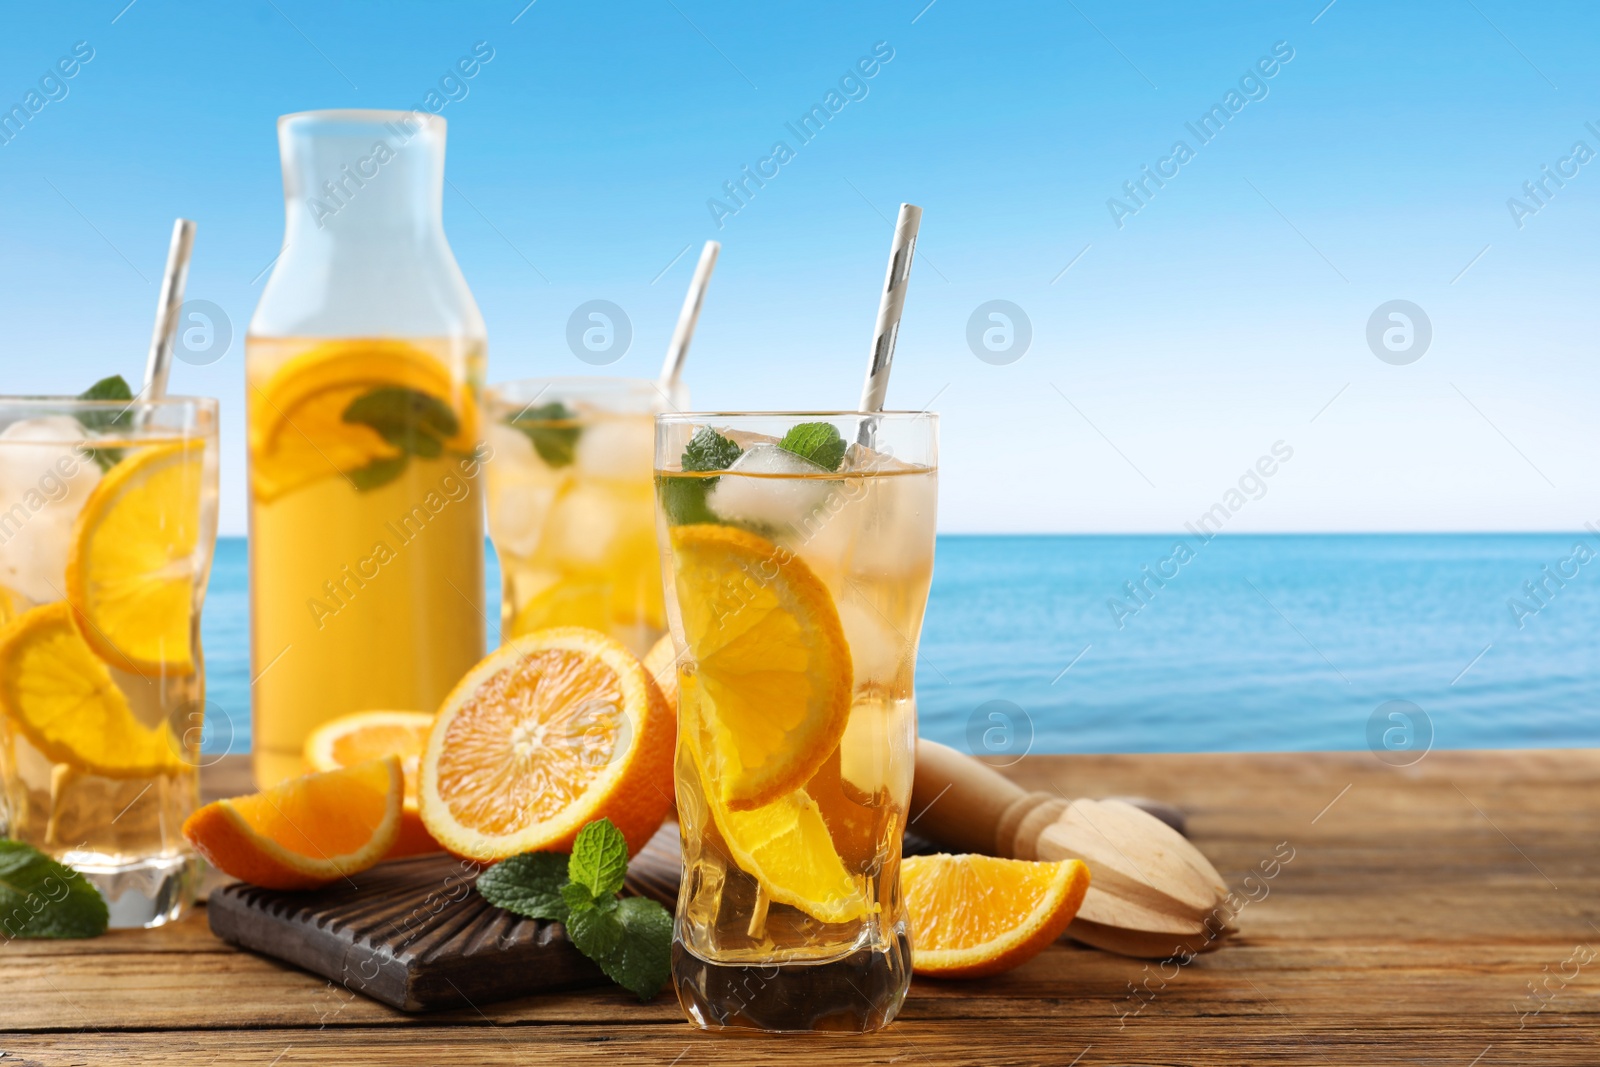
x: 1419, y: 907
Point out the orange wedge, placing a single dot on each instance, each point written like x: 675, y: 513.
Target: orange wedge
x: 772, y: 672
x: 367, y: 735
x: 306, y: 832
x: 551, y: 731
x: 973, y: 916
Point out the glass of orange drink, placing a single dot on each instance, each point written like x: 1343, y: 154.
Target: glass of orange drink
x: 799, y: 551
x: 108, y: 518
x: 572, y: 505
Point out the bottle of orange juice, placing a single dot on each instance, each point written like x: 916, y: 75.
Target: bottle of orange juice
x: 364, y: 373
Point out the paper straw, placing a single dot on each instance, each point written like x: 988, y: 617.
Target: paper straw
x: 688, y: 317
x: 890, y: 308
x: 173, y: 281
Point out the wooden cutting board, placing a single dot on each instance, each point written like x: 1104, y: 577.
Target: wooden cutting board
x: 414, y: 934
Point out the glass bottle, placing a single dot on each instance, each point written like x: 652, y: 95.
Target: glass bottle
x: 364, y: 371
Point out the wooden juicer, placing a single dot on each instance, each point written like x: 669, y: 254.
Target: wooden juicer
x: 1151, y: 893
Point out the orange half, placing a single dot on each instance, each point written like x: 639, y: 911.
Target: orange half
x: 306, y: 832
x: 551, y: 731
x: 973, y: 916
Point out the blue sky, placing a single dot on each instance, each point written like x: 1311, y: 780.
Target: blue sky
x: 1168, y: 355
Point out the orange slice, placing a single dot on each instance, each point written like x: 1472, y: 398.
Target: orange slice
x: 772, y: 669
x: 306, y: 832
x: 133, y: 566
x: 568, y: 601
x: 297, y: 429
x: 973, y: 916
x: 367, y: 735
x: 552, y: 730
x: 62, y: 698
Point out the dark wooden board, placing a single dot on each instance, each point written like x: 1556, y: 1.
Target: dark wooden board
x: 414, y: 934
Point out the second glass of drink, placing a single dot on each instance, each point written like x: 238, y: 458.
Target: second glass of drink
x: 572, y: 508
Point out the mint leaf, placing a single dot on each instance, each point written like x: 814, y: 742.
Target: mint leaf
x: 599, y: 859
x: 378, y: 473
x: 642, y: 961
x: 42, y: 898
x: 817, y: 441
x: 112, y: 388
x: 415, y: 422
x: 708, y: 450
x: 596, y: 930
x: 556, y: 445
x: 528, y: 885
x: 577, y: 897
x: 684, y: 499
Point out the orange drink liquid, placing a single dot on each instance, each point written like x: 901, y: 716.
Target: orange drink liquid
x: 798, y: 572
x: 366, y: 531
x: 572, y: 506
x: 105, y: 551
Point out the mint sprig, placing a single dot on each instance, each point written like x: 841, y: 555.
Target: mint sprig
x: 112, y: 388
x: 819, y: 442
x: 630, y: 938
x: 556, y: 445
x: 414, y: 422
x: 708, y: 450
x: 684, y: 499
x: 42, y: 898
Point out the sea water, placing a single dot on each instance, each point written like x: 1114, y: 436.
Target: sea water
x: 1251, y: 643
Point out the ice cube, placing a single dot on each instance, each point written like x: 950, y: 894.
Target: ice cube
x: 876, y: 754
x: 876, y: 651
x: 748, y: 439
x: 897, y: 526
x: 617, y: 447
x: 765, y: 487
x: 827, y: 539
x: 522, y: 489
x: 584, y: 521
x: 61, y: 430
x: 45, y: 477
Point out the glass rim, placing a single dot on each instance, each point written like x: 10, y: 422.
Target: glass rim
x: 358, y: 116
x: 595, y: 381
x: 169, y: 402
x: 897, y: 416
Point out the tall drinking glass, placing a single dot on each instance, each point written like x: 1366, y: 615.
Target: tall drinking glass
x: 797, y: 564
x: 572, y: 505
x: 364, y: 368
x: 108, y: 517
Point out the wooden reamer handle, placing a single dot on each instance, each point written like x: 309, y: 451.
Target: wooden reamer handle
x: 962, y: 804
